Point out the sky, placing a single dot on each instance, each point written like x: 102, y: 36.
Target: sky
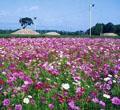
x: 70, y: 15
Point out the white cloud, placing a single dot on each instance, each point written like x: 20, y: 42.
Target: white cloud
x: 33, y: 8
x: 3, y: 13
x: 26, y: 9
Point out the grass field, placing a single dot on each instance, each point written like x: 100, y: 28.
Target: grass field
x: 61, y: 36
x: 59, y: 74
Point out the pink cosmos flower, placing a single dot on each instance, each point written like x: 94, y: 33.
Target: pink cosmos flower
x: 102, y: 103
x: 72, y: 105
x: 95, y: 100
x: 80, y: 90
x: 51, y: 106
x: 18, y: 107
x: 115, y: 100
x: 6, y: 102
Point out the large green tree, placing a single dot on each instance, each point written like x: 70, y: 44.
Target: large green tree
x: 109, y: 27
x: 25, y: 22
x: 117, y: 29
x: 97, y: 29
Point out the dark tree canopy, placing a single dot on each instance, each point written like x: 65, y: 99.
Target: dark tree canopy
x: 100, y: 28
x: 109, y: 28
x: 26, y: 22
x: 97, y: 29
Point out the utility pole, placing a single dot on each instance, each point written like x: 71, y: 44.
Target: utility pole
x: 35, y: 23
x: 90, y: 17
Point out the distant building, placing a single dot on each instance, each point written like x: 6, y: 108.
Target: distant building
x: 52, y: 33
x: 109, y: 34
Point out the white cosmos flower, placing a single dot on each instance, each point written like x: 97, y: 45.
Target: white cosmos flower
x: 26, y: 100
x: 106, y: 96
x: 61, y: 54
x: 65, y: 86
x: 29, y: 96
x: 77, y: 83
x: 116, y: 76
x: 89, y: 48
x: 4, y: 73
x: 114, y: 81
x: 110, y: 75
x: 18, y: 88
x: 107, y: 79
x: 48, y: 79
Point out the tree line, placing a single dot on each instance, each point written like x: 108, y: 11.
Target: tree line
x: 101, y: 28
x: 98, y: 29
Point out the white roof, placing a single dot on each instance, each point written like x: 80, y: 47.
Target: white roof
x: 110, y: 34
x: 52, y: 33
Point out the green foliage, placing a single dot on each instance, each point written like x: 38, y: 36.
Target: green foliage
x: 104, y: 28
x: 114, y: 89
x: 26, y: 22
x: 117, y: 29
x: 109, y: 28
x: 50, y: 36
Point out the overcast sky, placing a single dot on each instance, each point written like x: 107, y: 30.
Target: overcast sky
x: 59, y: 14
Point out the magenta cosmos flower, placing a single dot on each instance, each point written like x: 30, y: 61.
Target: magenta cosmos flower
x: 51, y: 106
x: 72, y: 105
x: 115, y: 100
x: 102, y: 103
x: 6, y: 102
x: 18, y: 107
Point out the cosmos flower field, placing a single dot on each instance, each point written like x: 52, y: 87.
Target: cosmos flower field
x: 59, y: 74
